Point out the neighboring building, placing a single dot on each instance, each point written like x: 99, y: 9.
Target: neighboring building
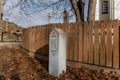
x: 107, y: 10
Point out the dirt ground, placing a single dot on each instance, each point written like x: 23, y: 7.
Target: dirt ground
x: 17, y: 65
x: 14, y: 63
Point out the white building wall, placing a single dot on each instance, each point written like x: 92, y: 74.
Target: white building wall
x: 113, y: 15
x: 97, y: 10
x: 117, y: 9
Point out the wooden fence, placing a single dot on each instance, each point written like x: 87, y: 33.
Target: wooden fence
x: 94, y: 43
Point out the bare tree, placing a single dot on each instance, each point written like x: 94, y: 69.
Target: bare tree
x: 76, y: 10
x: 29, y: 7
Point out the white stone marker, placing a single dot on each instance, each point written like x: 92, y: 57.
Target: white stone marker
x: 57, y: 52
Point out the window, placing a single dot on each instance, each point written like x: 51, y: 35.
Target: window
x: 105, y: 7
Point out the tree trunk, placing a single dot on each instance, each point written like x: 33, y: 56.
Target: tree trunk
x: 81, y: 9
x: 92, y: 7
x: 76, y: 10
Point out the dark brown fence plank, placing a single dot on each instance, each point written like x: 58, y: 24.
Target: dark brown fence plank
x: 85, y: 55
x: 109, y: 45
x: 46, y: 41
x: 96, y: 43
x: 80, y: 55
x: 25, y: 38
x: 75, y: 43
x: 90, y: 43
x: 47, y: 35
x: 71, y: 43
x: 42, y: 41
x: 102, y: 44
x: 36, y: 37
x: 32, y: 39
x: 116, y: 46
x: 68, y: 42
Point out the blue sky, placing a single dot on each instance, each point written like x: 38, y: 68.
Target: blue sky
x: 17, y: 17
x: 36, y: 19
